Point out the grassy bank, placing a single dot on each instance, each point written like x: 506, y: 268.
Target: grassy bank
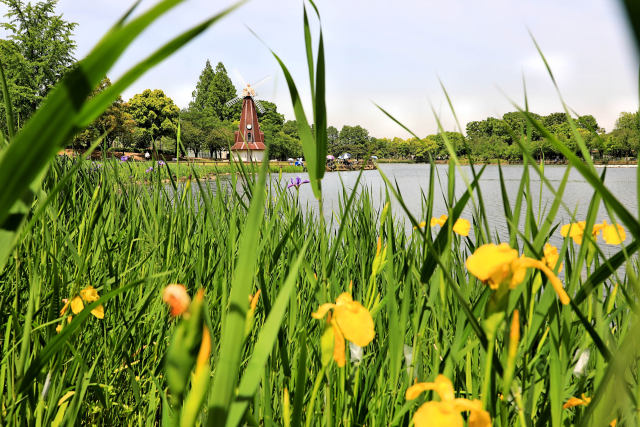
x: 149, y: 170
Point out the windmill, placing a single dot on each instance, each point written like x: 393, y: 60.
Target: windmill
x: 249, y: 140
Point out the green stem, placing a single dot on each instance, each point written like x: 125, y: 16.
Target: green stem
x: 314, y: 393
x: 487, y: 369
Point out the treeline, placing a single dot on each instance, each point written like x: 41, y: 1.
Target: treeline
x: 39, y: 49
x: 495, y: 138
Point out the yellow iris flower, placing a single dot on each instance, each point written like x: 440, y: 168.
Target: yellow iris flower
x: 87, y: 295
x: 551, y: 257
x: 613, y: 234
x: 577, y: 401
x: 461, y: 226
x: 498, y: 264
x: 351, y: 321
x: 447, y: 411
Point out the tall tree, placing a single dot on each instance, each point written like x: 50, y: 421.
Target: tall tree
x: 332, y: 139
x: 354, y: 140
x: 155, y: 114
x: 38, y: 50
x: 222, y: 90
x: 200, y: 96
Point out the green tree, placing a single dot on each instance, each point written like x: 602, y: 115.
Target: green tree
x: 354, y: 140
x: 628, y: 121
x: 332, y: 139
x: 284, y: 146
x: 518, y: 125
x: 270, y: 119
x: 37, y: 52
x: 218, y: 139
x: 554, y: 119
x: 155, y: 114
x: 191, y: 136
x: 200, y: 96
x: 290, y: 127
x: 116, y: 123
x: 222, y: 90
x: 588, y: 122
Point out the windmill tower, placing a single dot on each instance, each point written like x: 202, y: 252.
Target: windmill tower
x: 249, y: 143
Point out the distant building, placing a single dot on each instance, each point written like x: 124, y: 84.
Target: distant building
x: 249, y: 142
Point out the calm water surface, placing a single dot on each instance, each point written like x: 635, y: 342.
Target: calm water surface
x: 413, y: 180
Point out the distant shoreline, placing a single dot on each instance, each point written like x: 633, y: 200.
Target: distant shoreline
x: 616, y: 163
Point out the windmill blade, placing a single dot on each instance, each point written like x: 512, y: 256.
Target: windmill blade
x: 255, y: 85
x: 233, y: 101
x: 239, y: 77
x: 258, y: 105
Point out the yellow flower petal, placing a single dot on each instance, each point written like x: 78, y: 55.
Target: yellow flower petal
x: 438, y: 221
x: 253, y: 300
x: 553, y: 279
x: 89, y: 294
x: 518, y: 272
x: 491, y: 261
x: 551, y: 257
x: 77, y: 305
x: 64, y: 308
x: 437, y: 414
x: 98, y: 312
x: 322, y: 310
x: 442, y: 385
x: 355, y: 321
x: 422, y: 224
x: 575, y: 230
x: 479, y: 418
x: 613, y: 234
x: 462, y: 227
x: 205, y: 350
x: 576, y: 401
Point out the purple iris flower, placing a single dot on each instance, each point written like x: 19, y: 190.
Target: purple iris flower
x: 297, y: 182
x: 124, y: 158
x: 149, y: 170
x: 161, y: 163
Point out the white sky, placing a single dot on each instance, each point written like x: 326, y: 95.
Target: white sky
x: 393, y: 53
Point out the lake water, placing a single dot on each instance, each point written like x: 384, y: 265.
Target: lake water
x: 413, y: 179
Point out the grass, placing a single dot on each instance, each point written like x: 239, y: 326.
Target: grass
x: 141, y: 172
x: 67, y: 225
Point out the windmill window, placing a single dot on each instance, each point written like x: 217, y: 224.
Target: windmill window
x: 249, y: 139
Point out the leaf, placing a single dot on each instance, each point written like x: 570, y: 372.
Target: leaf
x: 228, y: 365
x: 264, y: 345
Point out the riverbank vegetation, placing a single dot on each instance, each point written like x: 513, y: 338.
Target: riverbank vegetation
x: 149, y: 120
x: 203, y: 303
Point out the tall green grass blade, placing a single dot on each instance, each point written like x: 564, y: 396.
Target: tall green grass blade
x: 8, y: 106
x: 632, y: 9
x: 264, y: 344
x: 228, y: 364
